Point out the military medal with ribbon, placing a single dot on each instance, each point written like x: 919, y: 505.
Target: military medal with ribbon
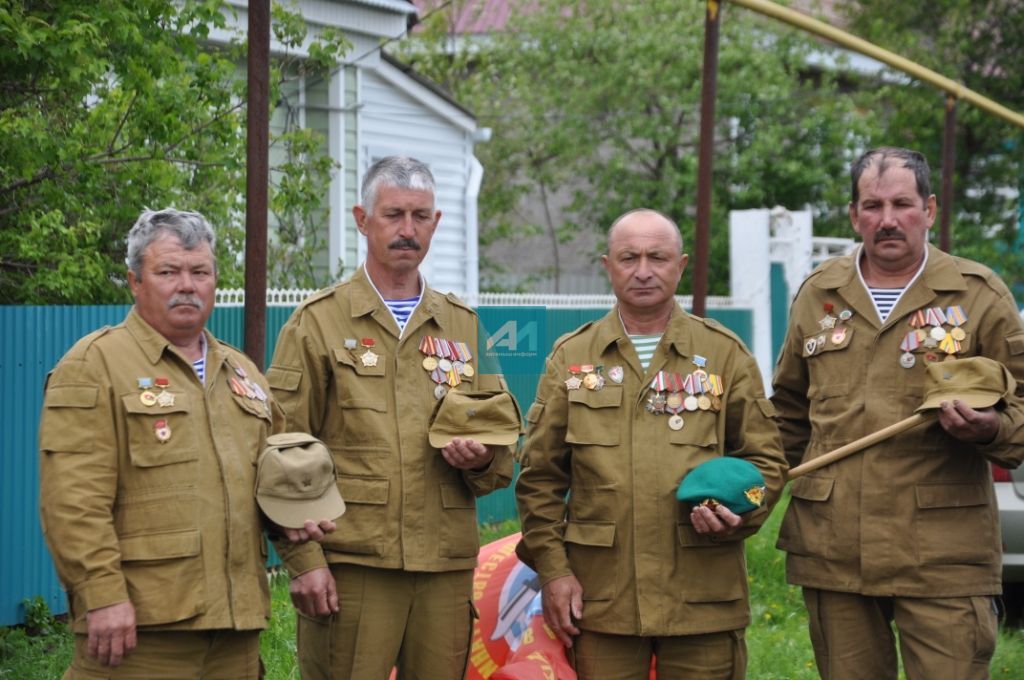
x: 369, y: 357
x: 165, y: 398
x: 146, y: 397
x: 929, y: 331
x: 446, y: 361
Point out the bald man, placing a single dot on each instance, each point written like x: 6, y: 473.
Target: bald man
x: 627, y: 407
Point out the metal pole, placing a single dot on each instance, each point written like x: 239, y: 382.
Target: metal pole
x: 706, y: 157
x: 948, y: 168
x: 256, y: 180
x: 914, y: 69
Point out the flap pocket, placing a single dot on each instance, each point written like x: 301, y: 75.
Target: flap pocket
x: 951, y: 495
x: 368, y: 490
x: 533, y: 414
x: 827, y: 341
x: 456, y: 495
x: 358, y: 364
x: 71, y: 396
x: 600, y: 534
x: 286, y: 379
x: 813, y: 488
x: 608, y: 397
x: 160, y: 546
x: 767, y: 408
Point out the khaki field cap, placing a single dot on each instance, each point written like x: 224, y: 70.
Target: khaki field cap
x: 484, y: 417
x: 295, y: 480
x: 978, y: 382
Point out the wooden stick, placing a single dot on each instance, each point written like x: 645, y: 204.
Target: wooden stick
x: 862, y: 443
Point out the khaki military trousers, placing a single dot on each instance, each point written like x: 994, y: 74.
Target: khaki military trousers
x: 419, y: 621
x: 177, y: 655
x: 712, y: 656
x: 940, y: 638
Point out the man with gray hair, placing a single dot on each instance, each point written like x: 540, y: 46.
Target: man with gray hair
x: 148, y: 440
x: 360, y: 365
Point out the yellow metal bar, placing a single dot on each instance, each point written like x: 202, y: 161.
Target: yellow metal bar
x: 840, y: 37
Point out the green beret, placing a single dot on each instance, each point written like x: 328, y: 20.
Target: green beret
x: 733, y: 482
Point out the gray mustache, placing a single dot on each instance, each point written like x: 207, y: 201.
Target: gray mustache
x: 400, y: 243
x: 179, y: 300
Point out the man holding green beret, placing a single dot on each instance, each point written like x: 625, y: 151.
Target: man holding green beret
x: 628, y: 407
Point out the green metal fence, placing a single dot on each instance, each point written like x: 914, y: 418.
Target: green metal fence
x: 34, y: 339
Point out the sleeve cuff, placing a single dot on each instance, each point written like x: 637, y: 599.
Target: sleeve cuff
x: 103, y: 591
x: 298, y: 559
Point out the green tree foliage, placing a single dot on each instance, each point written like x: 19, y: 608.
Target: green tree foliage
x: 979, y: 43
x: 600, y: 101
x: 110, y: 106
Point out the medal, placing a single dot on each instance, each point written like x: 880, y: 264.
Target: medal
x: 592, y: 381
x: 937, y: 333
x: 429, y: 363
x: 827, y: 322
x: 674, y: 402
x: 703, y: 402
x: 616, y: 374
x: 350, y: 343
x: 716, y: 403
x: 468, y: 370
x: 147, y: 398
x: 907, y: 360
x: 676, y: 422
x: 838, y: 335
x: 440, y: 391
x: 690, y: 403
x: 162, y: 431
x: 573, y: 383
x: 444, y: 364
x: 369, y: 358
x: 958, y: 334
x: 165, y: 399
x: 845, y: 315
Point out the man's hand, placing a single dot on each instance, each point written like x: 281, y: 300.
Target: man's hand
x: 562, y: 599
x: 311, y: 531
x: 718, y: 522
x: 967, y: 424
x: 111, y: 632
x: 466, y: 454
x: 314, y: 593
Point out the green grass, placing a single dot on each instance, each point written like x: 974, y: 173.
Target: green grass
x: 777, y: 641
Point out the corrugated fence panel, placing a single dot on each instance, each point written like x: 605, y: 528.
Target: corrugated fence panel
x: 35, y: 338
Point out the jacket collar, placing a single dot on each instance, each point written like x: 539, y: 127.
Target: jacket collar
x: 365, y: 300
x: 940, y: 275
x: 609, y: 330
x: 153, y: 344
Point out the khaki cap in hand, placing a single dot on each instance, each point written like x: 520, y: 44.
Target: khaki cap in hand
x: 484, y: 417
x: 296, y: 481
x: 979, y: 382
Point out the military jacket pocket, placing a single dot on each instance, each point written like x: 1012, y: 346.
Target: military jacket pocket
x: 459, y: 532
x: 164, y: 573
x: 160, y: 435
x: 590, y: 547
x: 69, y: 419
x: 594, y: 416
x: 360, y: 529
x: 359, y: 385
x: 955, y: 524
x: 822, y: 342
x: 700, y: 429
x: 807, y: 527
x: 720, y: 567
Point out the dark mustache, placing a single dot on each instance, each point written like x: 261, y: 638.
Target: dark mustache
x: 889, y: 233
x: 401, y: 243
x: 179, y: 300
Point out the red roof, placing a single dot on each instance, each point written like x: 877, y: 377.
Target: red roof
x: 472, y: 16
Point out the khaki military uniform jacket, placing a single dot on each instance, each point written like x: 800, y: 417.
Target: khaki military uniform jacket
x: 643, y: 568
x: 406, y: 507
x: 914, y: 515
x: 155, y: 504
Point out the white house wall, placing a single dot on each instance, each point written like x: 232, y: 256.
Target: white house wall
x: 391, y: 121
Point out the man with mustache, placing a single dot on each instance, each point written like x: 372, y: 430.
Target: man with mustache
x: 149, y: 438
x: 361, y: 366
x: 905, y: 533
